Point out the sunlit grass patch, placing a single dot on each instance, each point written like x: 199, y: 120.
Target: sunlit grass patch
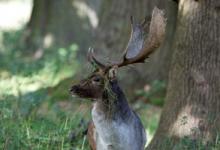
x: 46, y: 77
x: 21, y: 74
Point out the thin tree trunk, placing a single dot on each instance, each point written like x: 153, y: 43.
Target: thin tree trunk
x: 159, y: 64
x: 191, y: 114
x: 59, y: 23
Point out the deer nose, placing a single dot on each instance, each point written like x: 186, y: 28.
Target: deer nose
x: 74, y: 88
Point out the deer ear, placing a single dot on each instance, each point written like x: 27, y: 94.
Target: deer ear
x: 112, y: 72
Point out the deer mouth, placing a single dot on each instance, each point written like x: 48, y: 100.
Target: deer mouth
x: 76, y: 91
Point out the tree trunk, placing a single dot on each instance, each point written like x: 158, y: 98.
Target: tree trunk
x: 60, y: 23
x: 159, y: 64
x: 190, y: 118
x: 112, y: 35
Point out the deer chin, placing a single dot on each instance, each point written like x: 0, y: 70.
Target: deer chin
x: 84, y: 95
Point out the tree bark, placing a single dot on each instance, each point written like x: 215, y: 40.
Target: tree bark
x: 159, y: 64
x: 190, y: 117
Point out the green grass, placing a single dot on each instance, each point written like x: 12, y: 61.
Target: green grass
x: 154, y: 93
x: 37, y: 131
x: 30, y: 114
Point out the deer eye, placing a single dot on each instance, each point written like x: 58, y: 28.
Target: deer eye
x: 97, y: 79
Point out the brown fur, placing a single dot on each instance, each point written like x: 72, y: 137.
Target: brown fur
x: 92, y: 87
x: 91, y: 135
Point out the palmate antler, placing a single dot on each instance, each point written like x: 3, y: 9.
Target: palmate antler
x: 139, y: 48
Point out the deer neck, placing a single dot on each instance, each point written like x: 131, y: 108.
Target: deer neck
x: 113, y: 103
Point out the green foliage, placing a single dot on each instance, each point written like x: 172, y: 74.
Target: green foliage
x: 25, y: 93
x: 153, y: 92
x: 149, y: 115
x: 23, y: 73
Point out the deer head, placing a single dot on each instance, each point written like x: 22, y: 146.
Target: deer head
x: 138, y: 49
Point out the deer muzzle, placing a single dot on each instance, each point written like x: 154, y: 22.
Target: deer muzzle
x: 74, y: 89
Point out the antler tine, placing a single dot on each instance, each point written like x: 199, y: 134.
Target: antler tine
x: 138, y: 48
x: 93, y: 60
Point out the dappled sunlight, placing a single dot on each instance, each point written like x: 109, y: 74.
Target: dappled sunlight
x: 31, y: 107
x: 188, y: 125
x: 184, y: 123
x: 48, y: 40
x: 83, y: 10
x: 186, y: 6
x: 23, y: 74
x: 17, y: 84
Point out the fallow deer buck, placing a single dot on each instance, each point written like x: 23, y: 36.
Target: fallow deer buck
x: 114, y: 125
